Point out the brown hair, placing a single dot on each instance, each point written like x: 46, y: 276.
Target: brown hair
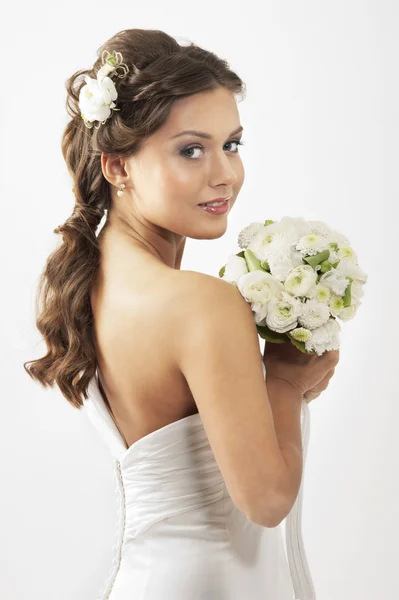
x: 160, y: 71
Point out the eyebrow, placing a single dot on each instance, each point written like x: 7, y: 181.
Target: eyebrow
x: 201, y: 134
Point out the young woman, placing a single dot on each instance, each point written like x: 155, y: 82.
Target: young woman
x: 165, y: 361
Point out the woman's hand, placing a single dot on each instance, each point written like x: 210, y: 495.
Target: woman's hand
x: 309, y: 373
x: 320, y: 387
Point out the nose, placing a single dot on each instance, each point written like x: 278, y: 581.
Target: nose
x: 223, y: 171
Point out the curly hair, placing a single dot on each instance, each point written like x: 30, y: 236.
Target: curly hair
x: 160, y: 71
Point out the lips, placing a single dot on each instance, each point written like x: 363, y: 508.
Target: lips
x: 215, y: 200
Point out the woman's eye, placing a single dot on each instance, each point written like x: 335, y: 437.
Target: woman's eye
x: 185, y: 150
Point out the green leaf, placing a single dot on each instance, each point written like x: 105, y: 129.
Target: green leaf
x: 301, y: 346
x: 253, y: 263
x: 270, y: 335
x: 317, y: 259
x: 265, y: 265
x: 325, y: 266
x: 348, y: 293
x: 222, y: 270
x: 298, y: 344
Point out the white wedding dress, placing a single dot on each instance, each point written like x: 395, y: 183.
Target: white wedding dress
x: 180, y: 536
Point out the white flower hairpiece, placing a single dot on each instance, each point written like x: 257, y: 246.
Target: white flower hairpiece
x: 96, y: 98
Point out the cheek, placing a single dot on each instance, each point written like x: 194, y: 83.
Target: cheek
x: 178, y: 181
x: 170, y: 173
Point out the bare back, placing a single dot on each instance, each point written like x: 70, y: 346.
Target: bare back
x: 135, y: 320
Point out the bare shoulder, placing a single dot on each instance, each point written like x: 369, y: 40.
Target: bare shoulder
x: 207, y: 307
x: 200, y: 291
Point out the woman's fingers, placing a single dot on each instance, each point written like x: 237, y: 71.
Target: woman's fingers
x: 320, y: 387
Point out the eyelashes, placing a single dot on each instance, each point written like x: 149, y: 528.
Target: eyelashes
x: 183, y: 151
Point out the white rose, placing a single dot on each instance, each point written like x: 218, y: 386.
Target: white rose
x: 236, y: 267
x: 258, y: 287
x: 279, y: 237
x: 300, y: 280
x: 282, y: 263
x: 282, y: 312
x: 259, y: 310
x: 268, y: 241
x: 96, y: 98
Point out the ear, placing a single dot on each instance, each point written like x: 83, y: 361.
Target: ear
x: 113, y: 168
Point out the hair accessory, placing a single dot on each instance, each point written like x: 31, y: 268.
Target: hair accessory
x: 96, y: 98
x: 121, y: 187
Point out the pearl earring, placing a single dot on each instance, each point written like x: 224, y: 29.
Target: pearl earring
x: 121, y: 188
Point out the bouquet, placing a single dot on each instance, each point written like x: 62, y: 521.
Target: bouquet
x: 299, y: 277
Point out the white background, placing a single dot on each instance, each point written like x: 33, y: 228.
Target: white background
x: 322, y: 137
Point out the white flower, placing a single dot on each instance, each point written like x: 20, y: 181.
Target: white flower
x: 320, y: 292
x: 336, y: 304
x: 313, y: 314
x: 268, y: 241
x: 349, y: 268
x: 301, y: 334
x: 236, y: 267
x: 347, y: 253
x: 357, y: 290
x: 283, y: 262
x: 258, y: 287
x: 311, y: 244
x: 334, y: 255
x: 331, y: 235
x: 335, y: 281
x: 260, y: 311
x: 277, y: 238
x: 319, y: 227
x: 247, y: 234
x: 349, y: 312
x: 295, y: 227
x: 96, y: 98
x: 324, y: 338
x: 300, y: 280
x: 282, y: 312
x: 338, y: 238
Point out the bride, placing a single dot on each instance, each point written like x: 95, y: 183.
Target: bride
x: 166, y: 362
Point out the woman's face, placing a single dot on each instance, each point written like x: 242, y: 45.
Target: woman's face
x: 173, y: 172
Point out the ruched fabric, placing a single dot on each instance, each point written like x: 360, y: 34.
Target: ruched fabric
x: 179, y: 534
